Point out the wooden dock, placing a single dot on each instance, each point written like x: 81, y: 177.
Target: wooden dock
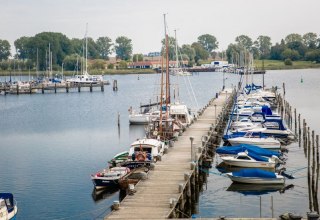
x: 172, y: 186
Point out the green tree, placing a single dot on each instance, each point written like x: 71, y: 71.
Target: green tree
x: 137, y: 57
x: 201, y: 53
x: 172, y: 47
x: 123, y: 48
x: 4, y: 49
x: 4, y: 65
x: 263, y: 44
x: 313, y: 55
x: 104, y: 47
x: 77, y: 46
x: 290, y: 54
x: 233, y: 53
x: 244, y: 41
x: 123, y: 64
x: 98, y: 64
x: 293, y: 38
x: 276, y: 50
x: 209, y: 42
x: 71, y: 62
x: 189, y: 51
x: 310, y: 40
x: 22, y: 47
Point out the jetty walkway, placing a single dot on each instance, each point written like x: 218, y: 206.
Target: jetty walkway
x: 171, y: 186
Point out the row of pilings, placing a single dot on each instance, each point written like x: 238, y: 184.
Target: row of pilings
x: 306, y: 139
x: 189, y: 199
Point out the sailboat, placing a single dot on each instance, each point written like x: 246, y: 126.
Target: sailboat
x: 177, y: 70
x: 85, y: 77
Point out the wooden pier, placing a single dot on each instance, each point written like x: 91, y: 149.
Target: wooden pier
x: 55, y: 87
x: 172, y: 186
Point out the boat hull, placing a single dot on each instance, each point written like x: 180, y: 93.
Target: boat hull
x: 101, y: 183
x: 256, y: 180
x: 139, y: 119
x: 266, y: 145
x: 251, y: 164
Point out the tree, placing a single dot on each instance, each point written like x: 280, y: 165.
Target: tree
x: 233, y: 53
x: 4, y: 49
x: 123, y: 48
x: 137, y: 57
x: 22, y: 47
x: 292, y: 38
x: 313, y: 55
x: 244, y: 41
x: 201, y: 53
x: 290, y: 54
x: 104, y: 47
x: 276, y: 50
x: 123, y: 64
x: 4, y: 65
x: 263, y: 44
x: 71, y: 62
x: 171, y: 46
x: 209, y: 42
x: 310, y: 40
x: 189, y: 51
x: 98, y: 64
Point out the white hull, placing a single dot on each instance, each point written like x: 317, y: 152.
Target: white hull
x: 139, y: 119
x: 257, y: 180
x: 261, y: 142
x: 251, y: 164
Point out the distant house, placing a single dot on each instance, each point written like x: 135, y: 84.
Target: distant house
x: 154, y: 54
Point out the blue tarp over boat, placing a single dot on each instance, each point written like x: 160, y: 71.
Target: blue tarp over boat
x: 258, y: 157
x: 246, y: 147
x: 254, y: 172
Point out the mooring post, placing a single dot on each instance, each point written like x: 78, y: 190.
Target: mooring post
x: 79, y: 87
x: 317, y: 174
x: 260, y: 208
x: 295, y: 121
x: 17, y: 89
x: 309, y: 176
x: 30, y: 88
x: 90, y: 87
x: 55, y: 87
x: 102, y: 87
x: 67, y: 87
x: 118, y: 119
x: 191, y: 140
x: 272, y: 211
x: 42, y: 88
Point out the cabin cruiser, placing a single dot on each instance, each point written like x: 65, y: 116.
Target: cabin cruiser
x: 250, y: 159
x: 181, y: 112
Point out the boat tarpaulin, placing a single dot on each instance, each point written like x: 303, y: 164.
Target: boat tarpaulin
x: 258, y: 157
x: 254, y: 172
x: 246, y: 147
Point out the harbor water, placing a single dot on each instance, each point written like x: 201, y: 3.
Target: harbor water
x: 52, y: 143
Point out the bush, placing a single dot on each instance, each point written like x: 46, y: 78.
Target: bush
x: 110, y: 66
x: 288, y: 62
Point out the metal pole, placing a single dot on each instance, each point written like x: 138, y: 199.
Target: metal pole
x: 272, y: 213
x: 260, y: 208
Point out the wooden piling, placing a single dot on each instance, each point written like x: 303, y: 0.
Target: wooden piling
x: 310, y: 191
x: 55, y: 87
x: 67, y: 87
x: 30, y: 88
x: 295, y: 121
x: 102, y: 87
x: 79, y: 87
x: 317, y: 174
x: 42, y: 88
x: 17, y: 89
x: 90, y: 87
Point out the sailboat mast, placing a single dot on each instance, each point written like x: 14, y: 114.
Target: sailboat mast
x: 175, y: 37
x: 86, y: 48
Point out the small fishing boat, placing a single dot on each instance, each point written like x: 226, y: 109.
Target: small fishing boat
x: 108, y: 178
x: 118, y: 159
x: 256, y: 176
x: 249, y: 159
x: 8, y: 206
x: 144, y: 152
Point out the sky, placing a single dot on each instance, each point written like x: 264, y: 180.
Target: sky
x: 142, y: 20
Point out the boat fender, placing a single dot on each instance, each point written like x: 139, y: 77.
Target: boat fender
x: 140, y: 156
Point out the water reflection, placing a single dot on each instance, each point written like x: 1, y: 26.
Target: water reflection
x: 255, y: 189
x: 99, y: 195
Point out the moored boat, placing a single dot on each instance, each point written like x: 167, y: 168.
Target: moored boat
x: 108, y: 178
x: 256, y: 176
x: 8, y: 206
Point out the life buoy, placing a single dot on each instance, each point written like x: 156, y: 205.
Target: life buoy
x: 140, y: 156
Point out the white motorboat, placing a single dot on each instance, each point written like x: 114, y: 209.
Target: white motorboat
x: 256, y: 176
x: 108, y: 178
x: 8, y: 207
x: 262, y: 141
x: 249, y: 159
x: 181, y: 112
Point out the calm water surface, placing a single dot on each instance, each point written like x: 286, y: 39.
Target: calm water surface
x: 51, y: 143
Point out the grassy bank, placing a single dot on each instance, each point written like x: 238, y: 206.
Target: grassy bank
x: 279, y: 65
x: 92, y: 72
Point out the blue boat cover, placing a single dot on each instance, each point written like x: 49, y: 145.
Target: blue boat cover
x: 8, y: 196
x: 258, y: 157
x: 254, y: 172
x: 246, y: 147
x: 243, y: 133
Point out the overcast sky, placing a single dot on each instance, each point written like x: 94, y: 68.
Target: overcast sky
x: 142, y: 20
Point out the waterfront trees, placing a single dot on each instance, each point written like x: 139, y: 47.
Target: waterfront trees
x: 201, y: 52
x: 208, y: 42
x: 263, y: 44
x: 4, y: 49
x: 244, y: 41
x: 104, y: 47
x: 123, y: 48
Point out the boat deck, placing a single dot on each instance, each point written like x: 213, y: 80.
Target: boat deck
x: 167, y: 181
